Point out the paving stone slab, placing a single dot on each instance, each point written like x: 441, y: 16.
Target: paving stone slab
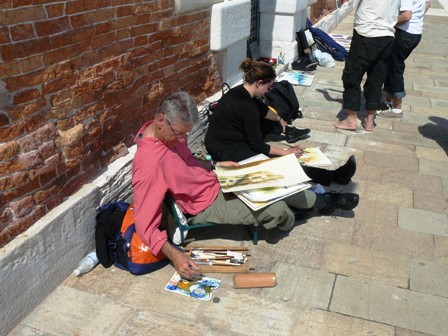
x: 390, y: 193
x: 429, y: 277
x: 144, y: 322
x: 441, y: 249
x: 431, y: 167
x: 376, y: 229
x: 73, y: 312
x: 423, y: 221
x: 390, y: 305
x: 433, y: 154
x: 359, y: 262
x: 316, y: 322
x: 248, y: 312
x: 300, y: 285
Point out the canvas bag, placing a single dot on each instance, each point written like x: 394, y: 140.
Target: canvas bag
x: 326, y: 44
x: 117, y: 242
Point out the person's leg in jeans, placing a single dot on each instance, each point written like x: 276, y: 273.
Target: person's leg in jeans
x: 381, y: 47
x: 363, y: 53
x: 403, y: 46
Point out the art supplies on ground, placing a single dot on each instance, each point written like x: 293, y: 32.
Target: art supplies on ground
x: 343, y: 40
x: 254, y: 280
x: 200, y: 288
x: 223, y: 259
x: 297, y: 78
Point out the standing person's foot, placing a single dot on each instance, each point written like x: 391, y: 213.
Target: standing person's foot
x: 390, y: 113
x: 293, y: 134
x: 345, y: 125
x: 334, y: 200
x: 344, y: 174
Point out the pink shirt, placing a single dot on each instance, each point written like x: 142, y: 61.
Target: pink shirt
x: 157, y: 169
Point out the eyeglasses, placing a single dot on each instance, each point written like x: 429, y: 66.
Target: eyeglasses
x: 179, y: 135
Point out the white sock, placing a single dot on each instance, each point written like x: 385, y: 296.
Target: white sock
x: 394, y: 110
x: 389, y: 103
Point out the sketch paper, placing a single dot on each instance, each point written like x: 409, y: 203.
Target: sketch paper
x: 281, y: 193
x: 314, y: 157
x: 297, y: 78
x: 276, y: 172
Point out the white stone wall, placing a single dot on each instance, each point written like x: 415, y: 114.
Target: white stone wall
x: 38, y: 260
x: 229, y: 31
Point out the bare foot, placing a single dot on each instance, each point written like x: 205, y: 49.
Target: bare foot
x: 345, y: 125
x: 368, y: 127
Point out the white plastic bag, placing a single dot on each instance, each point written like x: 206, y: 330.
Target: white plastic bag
x: 324, y: 59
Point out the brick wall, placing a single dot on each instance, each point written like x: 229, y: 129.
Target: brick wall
x: 324, y: 7
x: 77, y: 79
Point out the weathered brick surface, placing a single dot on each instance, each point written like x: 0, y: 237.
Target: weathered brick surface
x: 77, y: 72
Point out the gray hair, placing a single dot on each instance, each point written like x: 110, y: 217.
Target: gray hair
x: 179, y: 107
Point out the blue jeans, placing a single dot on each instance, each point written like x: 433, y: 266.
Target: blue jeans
x: 404, y: 44
x: 367, y: 55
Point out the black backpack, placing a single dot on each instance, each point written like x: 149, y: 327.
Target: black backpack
x: 283, y: 99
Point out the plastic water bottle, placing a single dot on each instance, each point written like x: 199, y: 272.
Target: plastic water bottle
x: 86, y: 264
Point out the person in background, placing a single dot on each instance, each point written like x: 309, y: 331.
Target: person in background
x: 372, y: 42
x: 235, y: 128
x: 408, y: 34
x: 164, y: 163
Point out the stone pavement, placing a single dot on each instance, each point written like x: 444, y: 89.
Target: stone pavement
x: 380, y: 270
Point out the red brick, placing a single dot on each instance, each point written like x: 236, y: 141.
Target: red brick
x: 26, y: 96
x: 10, y: 68
x: 100, y: 15
x: 20, y: 3
x: 125, y: 11
x: 31, y: 63
x: 33, y: 140
x: 11, y: 132
x: 55, y: 10
x: 19, y: 112
x: 9, y: 150
x: 43, y: 195
x: 22, y: 207
x: 5, y: 219
x: 49, y: 165
x: 73, y: 36
x: 25, y: 14
x: 4, y: 35
x: 25, y: 48
x: 20, y: 225
x: 71, y: 136
x: 78, y: 21
x: 22, y: 32
x: 73, y: 7
x: 59, y: 84
x: 66, y: 53
x: 30, y: 187
x: 34, y: 122
x: 13, y: 181
x: 54, y: 26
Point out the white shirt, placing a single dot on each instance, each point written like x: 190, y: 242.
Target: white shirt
x: 375, y: 18
x: 415, y: 24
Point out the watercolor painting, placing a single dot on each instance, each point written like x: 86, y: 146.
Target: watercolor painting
x: 200, y: 288
x: 276, y: 172
x: 297, y: 78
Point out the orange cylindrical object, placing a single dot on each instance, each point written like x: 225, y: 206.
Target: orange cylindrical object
x: 254, y: 280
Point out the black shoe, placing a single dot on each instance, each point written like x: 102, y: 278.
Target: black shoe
x: 334, y: 200
x: 294, y: 134
x: 344, y: 173
x: 302, y: 214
